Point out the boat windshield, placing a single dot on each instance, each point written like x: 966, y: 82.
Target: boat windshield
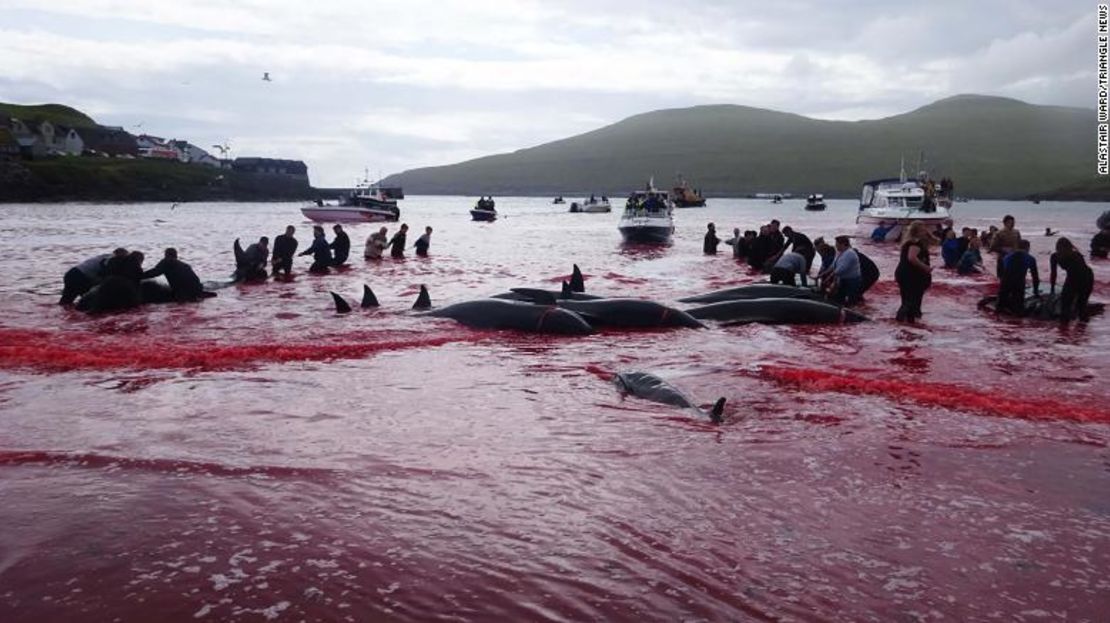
x: 647, y: 203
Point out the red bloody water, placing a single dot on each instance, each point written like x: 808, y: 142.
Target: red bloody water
x: 258, y: 456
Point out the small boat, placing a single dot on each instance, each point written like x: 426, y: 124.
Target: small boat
x: 484, y: 210
x: 366, y: 203
x: 685, y: 197
x: 815, y: 202
x: 592, y: 205
x: 648, y: 217
x: 776, y: 198
x: 901, y: 201
x: 558, y: 200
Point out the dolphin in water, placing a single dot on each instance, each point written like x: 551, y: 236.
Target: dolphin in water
x: 626, y: 312
x: 502, y: 314
x: 754, y: 291
x: 648, y: 386
x: 776, y: 311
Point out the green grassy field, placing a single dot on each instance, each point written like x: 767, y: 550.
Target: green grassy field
x: 54, y: 113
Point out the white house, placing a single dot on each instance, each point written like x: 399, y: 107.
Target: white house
x: 192, y: 154
x: 155, y: 147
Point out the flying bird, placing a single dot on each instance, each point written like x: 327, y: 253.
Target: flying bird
x: 266, y: 76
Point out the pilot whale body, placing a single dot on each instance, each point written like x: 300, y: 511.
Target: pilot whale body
x: 754, y: 291
x: 776, y: 311
x: 632, y: 313
x: 502, y: 314
x: 650, y: 387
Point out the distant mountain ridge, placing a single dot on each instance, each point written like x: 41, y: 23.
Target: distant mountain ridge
x: 991, y: 146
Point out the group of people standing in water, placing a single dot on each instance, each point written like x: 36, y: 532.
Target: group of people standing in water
x: 251, y: 263
x: 119, y: 276
x: 846, y: 273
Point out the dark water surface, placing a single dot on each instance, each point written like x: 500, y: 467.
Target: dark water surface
x: 259, y: 457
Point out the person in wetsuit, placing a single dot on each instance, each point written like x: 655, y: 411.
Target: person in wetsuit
x: 397, y: 243
x: 760, y: 250
x: 1011, y: 290
x: 423, y: 242
x: 82, y: 277
x: 1079, y: 283
x: 913, y: 274
x: 184, y: 283
x: 778, y: 241
x: 709, y: 247
x: 340, y: 246
x: 1100, y: 243
x: 950, y: 249
x: 285, y: 247
x: 320, y: 251
x: 251, y: 264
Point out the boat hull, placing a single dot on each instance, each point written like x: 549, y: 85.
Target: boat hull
x: 646, y: 233
x: 483, y: 215
x: 689, y: 203
x: 815, y: 207
x: 349, y: 214
x: 902, y: 217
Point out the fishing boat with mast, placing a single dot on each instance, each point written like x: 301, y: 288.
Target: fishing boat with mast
x: 685, y: 197
x: 368, y: 202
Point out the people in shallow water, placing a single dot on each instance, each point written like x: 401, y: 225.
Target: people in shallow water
x: 340, y: 246
x: 82, y: 277
x: 950, y: 249
x: 397, y: 242
x: 285, y: 247
x: 972, y: 260
x: 760, y: 250
x: 828, y: 255
x: 869, y: 273
x: 799, y: 243
x: 124, y: 264
x: 184, y: 283
x: 1078, y: 284
x: 1011, y: 289
x: 375, y: 244
x: 847, y: 276
x: 320, y: 251
x: 788, y: 265
x: 1004, y: 242
x: 252, y: 263
x: 880, y: 232
x: 423, y: 242
x: 709, y: 247
x: 1100, y: 243
x: 914, y: 275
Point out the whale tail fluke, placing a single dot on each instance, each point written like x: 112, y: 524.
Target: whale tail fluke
x: 341, y: 304
x: 424, y: 301
x: 577, y: 284
x: 718, y: 409
x: 368, y: 298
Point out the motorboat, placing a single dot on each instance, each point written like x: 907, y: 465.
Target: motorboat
x: 366, y: 203
x: 648, y: 217
x: 484, y: 210
x: 558, y: 200
x: 815, y: 202
x: 685, y: 197
x: 592, y: 205
x: 902, y: 201
x: 776, y: 198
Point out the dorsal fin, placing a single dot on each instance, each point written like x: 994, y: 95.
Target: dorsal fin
x: 424, y: 301
x: 718, y: 409
x: 567, y: 293
x: 368, y: 298
x: 341, y: 304
x: 577, y: 284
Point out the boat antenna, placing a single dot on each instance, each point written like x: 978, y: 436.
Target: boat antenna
x: 902, y: 171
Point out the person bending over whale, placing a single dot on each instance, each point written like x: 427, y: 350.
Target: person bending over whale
x: 285, y: 247
x: 1011, y: 290
x: 341, y: 246
x: 184, y: 283
x: 799, y: 243
x: 125, y: 265
x: 847, y: 273
x: 1079, y: 283
x: 250, y: 264
x: 320, y: 251
x: 788, y: 265
x: 82, y: 277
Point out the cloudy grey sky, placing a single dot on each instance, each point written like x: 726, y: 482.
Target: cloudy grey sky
x: 395, y: 84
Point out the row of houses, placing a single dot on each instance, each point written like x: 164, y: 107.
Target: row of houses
x: 42, y: 138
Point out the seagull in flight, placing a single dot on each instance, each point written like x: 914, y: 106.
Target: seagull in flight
x: 266, y: 76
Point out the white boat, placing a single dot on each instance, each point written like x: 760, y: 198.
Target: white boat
x: 648, y: 217
x: 592, y: 205
x: 368, y: 202
x: 815, y: 202
x: 900, y: 201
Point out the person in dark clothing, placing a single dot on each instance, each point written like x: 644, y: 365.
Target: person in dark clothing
x: 341, y: 246
x: 950, y: 249
x: 777, y: 239
x: 397, y: 243
x: 184, y: 283
x: 760, y: 250
x: 320, y: 251
x: 126, y: 265
x: 1100, y: 243
x: 82, y: 277
x: 800, y: 244
x: 423, y: 242
x: 869, y: 273
x: 285, y: 247
x: 711, y: 240
x: 964, y: 240
x: 913, y: 274
x: 1011, y: 290
x: 1079, y: 283
x: 250, y: 264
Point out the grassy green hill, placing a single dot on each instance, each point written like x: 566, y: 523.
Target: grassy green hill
x: 54, y: 113
x: 991, y: 146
